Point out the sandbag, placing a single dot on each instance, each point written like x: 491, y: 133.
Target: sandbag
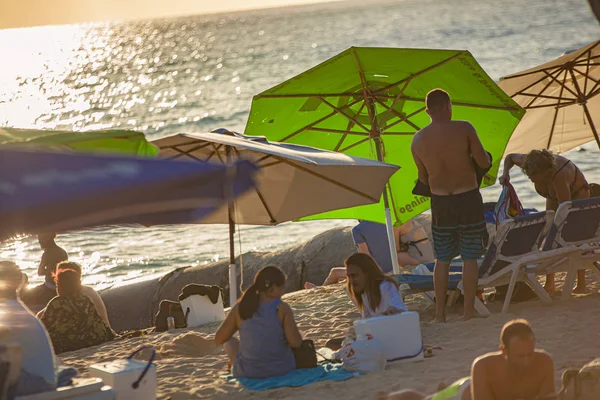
x: 167, y: 309
x: 364, y: 354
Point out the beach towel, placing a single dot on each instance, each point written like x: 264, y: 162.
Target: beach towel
x: 296, y: 378
x: 508, y: 205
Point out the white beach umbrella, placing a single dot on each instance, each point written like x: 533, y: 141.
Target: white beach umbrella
x: 561, y: 102
x: 292, y: 182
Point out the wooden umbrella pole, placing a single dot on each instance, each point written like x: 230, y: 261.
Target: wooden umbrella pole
x: 583, y: 101
x: 591, y: 121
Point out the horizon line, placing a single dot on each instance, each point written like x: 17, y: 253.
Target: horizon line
x: 304, y: 4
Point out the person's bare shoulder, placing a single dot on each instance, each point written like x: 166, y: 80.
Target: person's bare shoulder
x: 464, y: 127
x: 543, y: 357
x: 417, y: 137
x: 487, y: 360
x: 285, y: 307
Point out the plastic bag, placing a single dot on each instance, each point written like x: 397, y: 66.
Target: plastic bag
x: 364, y: 354
x: 508, y: 205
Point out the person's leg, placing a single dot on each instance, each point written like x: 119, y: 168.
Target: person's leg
x: 549, y: 285
x: 405, y: 259
x: 440, y: 285
x: 335, y: 274
x: 581, y: 287
x: 470, y: 278
x: 473, y: 239
x: 551, y: 205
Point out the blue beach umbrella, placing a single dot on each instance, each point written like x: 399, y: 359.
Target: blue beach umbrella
x: 54, y: 192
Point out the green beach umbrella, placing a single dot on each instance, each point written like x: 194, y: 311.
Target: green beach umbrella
x: 105, y: 141
x: 369, y: 102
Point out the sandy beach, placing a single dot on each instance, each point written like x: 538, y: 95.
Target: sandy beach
x: 189, y: 366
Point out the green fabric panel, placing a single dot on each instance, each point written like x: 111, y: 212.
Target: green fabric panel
x: 111, y: 141
x: 325, y: 107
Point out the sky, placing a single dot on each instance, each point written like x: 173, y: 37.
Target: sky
x: 25, y: 13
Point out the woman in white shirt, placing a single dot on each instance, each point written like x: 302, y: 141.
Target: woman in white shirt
x: 373, y: 292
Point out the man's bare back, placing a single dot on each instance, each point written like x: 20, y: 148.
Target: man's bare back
x: 494, y: 379
x: 445, y: 150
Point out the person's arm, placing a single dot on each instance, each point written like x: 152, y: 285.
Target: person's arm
x: 511, y: 160
x: 98, y: 303
x: 290, y: 329
x: 228, y: 328
x: 476, y: 149
x: 422, y: 171
x: 551, y: 204
x: 359, y: 240
x: 363, y: 248
x: 480, y: 386
x: 396, y: 304
x: 42, y: 267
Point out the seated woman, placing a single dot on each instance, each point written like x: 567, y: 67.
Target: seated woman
x: 86, y: 290
x: 414, y: 246
x: 556, y: 179
x: 373, y: 292
x: 268, y: 331
x: 71, y: 318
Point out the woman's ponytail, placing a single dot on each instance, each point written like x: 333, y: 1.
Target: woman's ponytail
x: 264, y: 279
x: 249, y: 301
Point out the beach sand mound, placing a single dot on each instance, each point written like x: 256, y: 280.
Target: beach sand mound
x: 189, y: 366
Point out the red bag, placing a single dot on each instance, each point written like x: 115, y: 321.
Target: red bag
x: 508, y: 206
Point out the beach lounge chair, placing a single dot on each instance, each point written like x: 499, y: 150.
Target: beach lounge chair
x: 573, y: 242
x: 92, y: 389
x: 516, y: 241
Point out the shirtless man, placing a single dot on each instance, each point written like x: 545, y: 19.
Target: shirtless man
x: 39, y: 296
x: 445, y: 152
x: 517, y: 372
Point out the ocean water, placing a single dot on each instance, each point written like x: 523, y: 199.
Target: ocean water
x: 197, y: 73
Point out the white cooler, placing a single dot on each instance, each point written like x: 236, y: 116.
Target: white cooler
x: 400, y: 335
x: 128, y: 378
x: 202, y: 310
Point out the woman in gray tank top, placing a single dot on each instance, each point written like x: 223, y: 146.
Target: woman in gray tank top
x: 266, y: 326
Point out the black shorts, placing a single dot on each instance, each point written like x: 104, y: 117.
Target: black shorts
x: 458, y: 226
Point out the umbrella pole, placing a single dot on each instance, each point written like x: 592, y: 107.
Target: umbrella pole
x: 232, y: 266
x: 388, y: 215
x: 591, y: 122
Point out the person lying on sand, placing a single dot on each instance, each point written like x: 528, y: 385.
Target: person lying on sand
x: 268, y: 331
x: 371, y: 291
x: 517, y: 372
x: 370, y: 238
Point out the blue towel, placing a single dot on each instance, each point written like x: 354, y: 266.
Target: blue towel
x: 298, y: 377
